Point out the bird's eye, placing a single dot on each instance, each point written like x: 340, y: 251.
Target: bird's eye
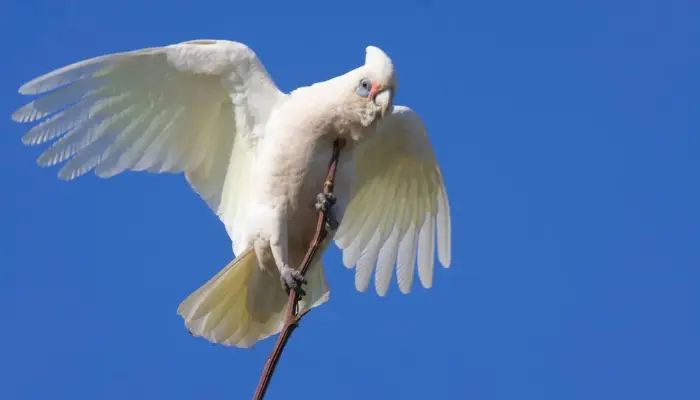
x: 364, y: 88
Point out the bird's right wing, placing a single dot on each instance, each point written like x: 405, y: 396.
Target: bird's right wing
x: 196, y: 107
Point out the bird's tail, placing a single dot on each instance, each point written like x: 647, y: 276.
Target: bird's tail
x: 243, y: 303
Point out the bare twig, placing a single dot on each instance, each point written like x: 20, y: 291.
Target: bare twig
x: 292, y: 316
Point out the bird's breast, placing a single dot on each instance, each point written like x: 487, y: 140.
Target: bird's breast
x: 291, y: 169
x: 303, y: 215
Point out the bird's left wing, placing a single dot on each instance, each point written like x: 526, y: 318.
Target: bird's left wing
x: 195, y: 107
x: 398, y: 213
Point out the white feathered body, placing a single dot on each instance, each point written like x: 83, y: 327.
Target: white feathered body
x: 284, y: 183
x: 287, y: 178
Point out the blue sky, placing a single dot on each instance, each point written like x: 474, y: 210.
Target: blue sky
x: 568, y: 136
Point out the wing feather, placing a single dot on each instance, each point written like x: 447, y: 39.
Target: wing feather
x: 398, y: 207
x: 195, y: 107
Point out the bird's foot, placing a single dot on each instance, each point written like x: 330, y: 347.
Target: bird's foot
x: 325, y: 203
x: 293, y: 279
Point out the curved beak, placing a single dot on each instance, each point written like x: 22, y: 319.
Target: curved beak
x: 376, y: 88
x: 381, y: 95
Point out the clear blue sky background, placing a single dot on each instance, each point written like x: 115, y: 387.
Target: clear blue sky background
x: 568, y: 135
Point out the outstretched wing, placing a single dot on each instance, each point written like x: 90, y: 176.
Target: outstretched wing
x: 398, y: 205
x: 193, y: 107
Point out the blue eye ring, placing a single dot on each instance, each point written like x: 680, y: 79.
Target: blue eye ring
x: 364, y: 88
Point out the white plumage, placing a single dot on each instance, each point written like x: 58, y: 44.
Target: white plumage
x: 258, y: 157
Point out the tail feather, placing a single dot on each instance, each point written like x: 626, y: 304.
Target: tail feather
x: 243, y: 304
x: 317, y: 291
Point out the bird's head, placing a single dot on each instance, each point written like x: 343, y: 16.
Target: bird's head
x: 374, y: 85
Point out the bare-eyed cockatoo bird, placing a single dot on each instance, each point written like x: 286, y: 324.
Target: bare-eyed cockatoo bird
x: 259, y: 158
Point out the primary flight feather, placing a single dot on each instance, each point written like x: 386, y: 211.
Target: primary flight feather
x: 258, y: 157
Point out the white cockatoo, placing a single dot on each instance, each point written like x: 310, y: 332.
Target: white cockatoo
x: 259, y: 158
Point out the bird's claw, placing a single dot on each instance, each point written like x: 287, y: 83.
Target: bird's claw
x: 293, y: 279
x: 325, y: 203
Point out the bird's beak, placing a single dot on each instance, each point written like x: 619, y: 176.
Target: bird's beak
x: 381, y: 95
x: 376, y: 88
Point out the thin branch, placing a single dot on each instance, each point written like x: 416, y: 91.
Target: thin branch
x: 292, y: 317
